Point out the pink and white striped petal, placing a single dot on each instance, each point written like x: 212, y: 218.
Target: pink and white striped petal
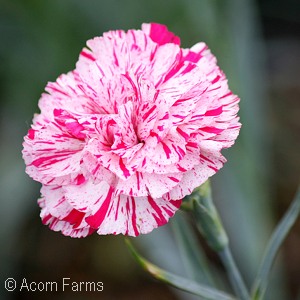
x: 88, y: 197
x: 137, y: 215
x: 50, y: 153
x: 210, y: 163
x: 160, y: 34
x: 72, y: 225
x: 144, y: 184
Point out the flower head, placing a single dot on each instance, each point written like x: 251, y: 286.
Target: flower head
x: 132, y: 130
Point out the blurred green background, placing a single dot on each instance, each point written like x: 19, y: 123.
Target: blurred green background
x: 257, y: 44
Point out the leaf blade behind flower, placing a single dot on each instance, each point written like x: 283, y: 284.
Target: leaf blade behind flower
x: 193, y: 257
x: 276, y: 240
x: 187, y: 285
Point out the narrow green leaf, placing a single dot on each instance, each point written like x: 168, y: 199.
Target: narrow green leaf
x: 189, y: 286
x: 276, y: 240
x: 234, y: 274
x: 192, y: 255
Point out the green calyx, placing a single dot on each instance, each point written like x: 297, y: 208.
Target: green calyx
x: 207, y: 218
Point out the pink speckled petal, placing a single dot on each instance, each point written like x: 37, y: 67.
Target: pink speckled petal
x: 50, y: 153
x: 133, y: 216
x: 160, y: 34
x: 70, y: 223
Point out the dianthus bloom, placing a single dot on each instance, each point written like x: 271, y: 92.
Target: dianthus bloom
x: 133, y: 129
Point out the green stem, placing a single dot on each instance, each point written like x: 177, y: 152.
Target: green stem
x: 210, y: 225
x: 234, y: 274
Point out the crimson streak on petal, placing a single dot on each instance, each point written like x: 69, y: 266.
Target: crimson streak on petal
x: 96, y: 220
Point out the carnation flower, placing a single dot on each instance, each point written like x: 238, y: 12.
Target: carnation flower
x: 124, y: 137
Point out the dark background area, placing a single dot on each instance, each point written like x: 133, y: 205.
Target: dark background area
x: 257, y: 44
x: 281, y: 32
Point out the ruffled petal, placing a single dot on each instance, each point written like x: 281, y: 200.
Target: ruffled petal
x: 88, y: 197
x: 160, y: 34
x: 210, y: 162
x: 135, y: 215
x: 144, y: 184
x: 50, y: 153
x: 72, y: 224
